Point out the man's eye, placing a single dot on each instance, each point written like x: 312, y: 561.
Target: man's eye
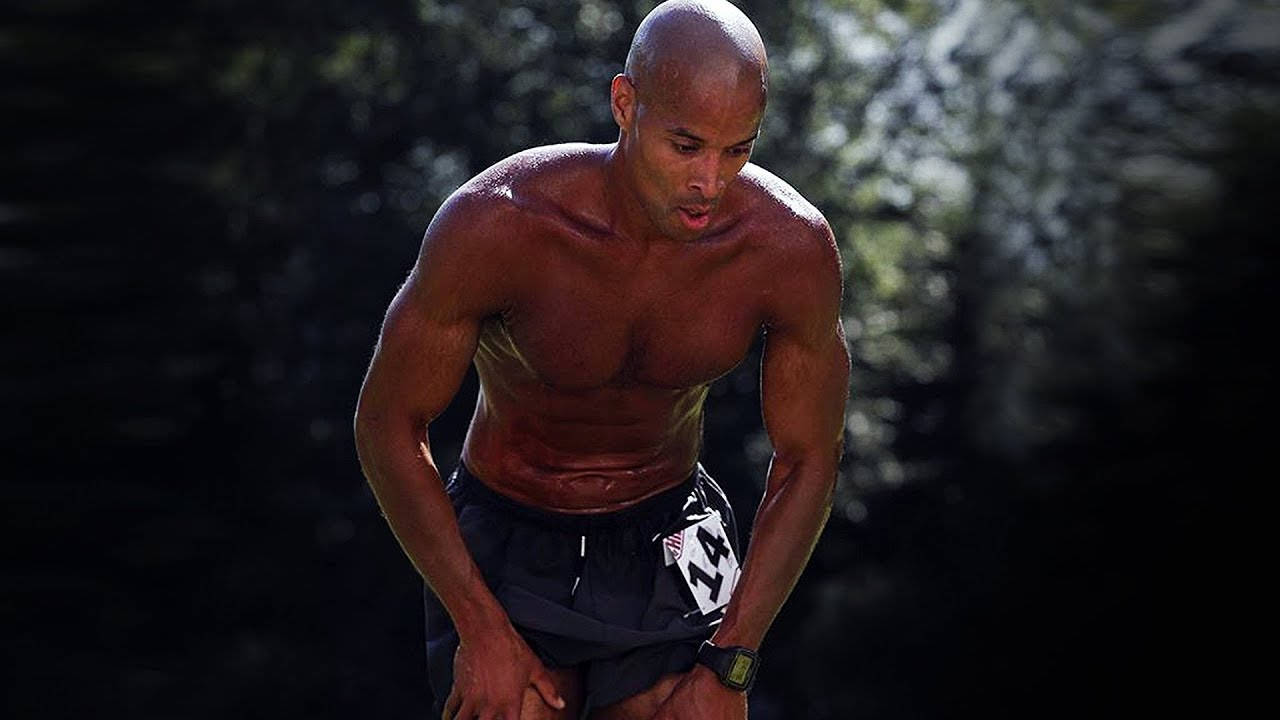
x: 686, y: 149
x: 739, y: 151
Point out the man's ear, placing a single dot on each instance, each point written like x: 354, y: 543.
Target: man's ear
x: 622, y: 101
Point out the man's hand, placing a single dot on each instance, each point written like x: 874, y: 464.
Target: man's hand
x: 490, y: 676
x: 701, y: 696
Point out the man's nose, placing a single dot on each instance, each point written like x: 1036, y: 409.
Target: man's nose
x: 706, y: 179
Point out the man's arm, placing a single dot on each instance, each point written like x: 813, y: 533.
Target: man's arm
x: 428, y: 339
x: 804, y: 387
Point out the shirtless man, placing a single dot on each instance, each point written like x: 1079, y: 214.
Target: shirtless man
x: 579, y: 556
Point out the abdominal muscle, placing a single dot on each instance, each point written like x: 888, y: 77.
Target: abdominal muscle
x: 593, y: 451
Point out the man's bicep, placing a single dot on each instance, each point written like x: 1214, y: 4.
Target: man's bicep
x: 805, y: 370
x: 421, y: 357
x: 431, y: 329
x: 804, y: 387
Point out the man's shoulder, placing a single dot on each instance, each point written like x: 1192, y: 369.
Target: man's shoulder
x: 797, y: 247
x: 519, y: 189
x: 536, y: 176
x: 788, y: 223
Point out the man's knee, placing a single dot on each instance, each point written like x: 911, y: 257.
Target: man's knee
x: 642, y: 705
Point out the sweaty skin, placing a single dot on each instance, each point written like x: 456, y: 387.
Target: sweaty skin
x: 593, y: 378
x: 599, y: 290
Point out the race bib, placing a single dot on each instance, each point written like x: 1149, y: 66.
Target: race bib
x: 704, y: 556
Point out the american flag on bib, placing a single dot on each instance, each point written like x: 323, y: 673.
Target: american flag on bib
x: 675, y: 543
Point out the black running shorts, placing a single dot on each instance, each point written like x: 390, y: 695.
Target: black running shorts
x: 593, y: 591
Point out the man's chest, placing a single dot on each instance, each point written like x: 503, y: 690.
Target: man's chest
x: 677, y: 324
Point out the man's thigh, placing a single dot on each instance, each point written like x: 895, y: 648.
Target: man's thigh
x: 569, y: 684
x: 640, y: 706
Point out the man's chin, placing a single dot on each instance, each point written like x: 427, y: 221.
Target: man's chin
x: 683, y: 234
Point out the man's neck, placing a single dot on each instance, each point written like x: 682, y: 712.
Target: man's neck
x: 627, y: 216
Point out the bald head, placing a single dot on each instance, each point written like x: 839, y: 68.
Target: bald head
x: 699, y: 45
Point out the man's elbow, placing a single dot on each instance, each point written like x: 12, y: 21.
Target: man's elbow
x: 379, y: 427
x: 815, y: 467
x: 373, y: 424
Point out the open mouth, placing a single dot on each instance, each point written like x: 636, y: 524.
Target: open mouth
x: 695, y: 217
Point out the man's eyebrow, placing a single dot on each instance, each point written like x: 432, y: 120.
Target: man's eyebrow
x: 682, y: 132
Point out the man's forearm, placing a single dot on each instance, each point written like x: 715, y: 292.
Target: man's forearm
x: 407, y: 485
x: 794, y: 509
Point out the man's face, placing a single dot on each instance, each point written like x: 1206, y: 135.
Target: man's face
x: 686, y: 144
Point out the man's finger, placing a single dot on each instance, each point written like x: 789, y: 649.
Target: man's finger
x: 541, y: 682
x: 467, y: 711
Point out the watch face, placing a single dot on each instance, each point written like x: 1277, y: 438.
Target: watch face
x: 740, y: 671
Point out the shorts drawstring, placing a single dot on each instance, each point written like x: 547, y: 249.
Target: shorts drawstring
x: 582, y: 562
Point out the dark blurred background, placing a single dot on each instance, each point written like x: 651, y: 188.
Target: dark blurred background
x: 1052, y: 217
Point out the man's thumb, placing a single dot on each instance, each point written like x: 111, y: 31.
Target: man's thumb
x: 547, y: 689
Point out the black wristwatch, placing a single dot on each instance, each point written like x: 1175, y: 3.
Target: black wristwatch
x: 736, y: 666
